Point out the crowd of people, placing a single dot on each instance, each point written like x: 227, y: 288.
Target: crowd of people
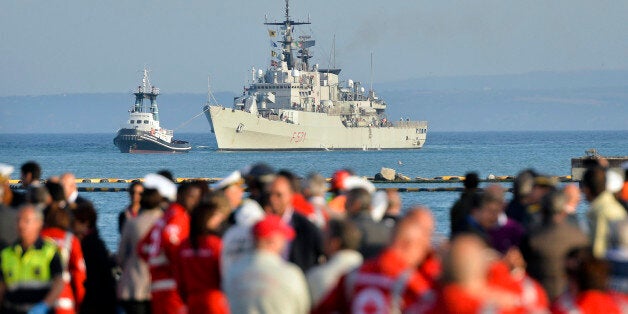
x: 267, y: 241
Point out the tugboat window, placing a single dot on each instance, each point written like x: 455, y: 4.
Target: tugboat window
x: 131, y: 121
x: 139, y: 121
x: 145, y: 121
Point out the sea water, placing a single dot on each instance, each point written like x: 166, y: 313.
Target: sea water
x: 444, y: 153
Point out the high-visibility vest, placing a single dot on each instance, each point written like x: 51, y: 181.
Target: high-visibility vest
x: 30, y: 269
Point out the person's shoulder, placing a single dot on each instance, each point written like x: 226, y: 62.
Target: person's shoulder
x: 301, y: 222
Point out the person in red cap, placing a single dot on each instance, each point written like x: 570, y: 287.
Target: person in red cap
x: 337, y: 203
x: 198, y: 269
x: 262, y: 282
x: 160, y: 247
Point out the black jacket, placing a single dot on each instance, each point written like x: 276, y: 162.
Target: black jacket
x: 100, y: 286
x: 307, y: 247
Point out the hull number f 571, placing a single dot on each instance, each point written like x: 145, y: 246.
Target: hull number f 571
x: 297, y: 137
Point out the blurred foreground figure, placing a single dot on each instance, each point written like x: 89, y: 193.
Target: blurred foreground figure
x: 30, y: 280
x: 262, y: 282
x: 160, y: 247
x: 8, y: 214
x: 133, y: 209
x: 100, y: 286
x: 134, y: 284
x: 545, y: 250
x: 198, y: 262
x: 466, y: 288
x: 306, y: 249
x: 375, y: 234
x: 588, y: 281
x: 56, y: 228
x: 618, y: 258
x: 341, y: 242
x: 604, y: 211
x: 393, y: 282
x: 463, y: 206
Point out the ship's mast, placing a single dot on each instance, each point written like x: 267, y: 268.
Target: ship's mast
x: 287, y: 27
x: 146, y: 91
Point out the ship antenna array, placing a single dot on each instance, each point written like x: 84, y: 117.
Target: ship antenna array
x: 145, y: 81
x: 371, y: 71
x: 287, y: 37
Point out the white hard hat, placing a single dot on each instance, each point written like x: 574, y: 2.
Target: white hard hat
x: 355, y: 182
x: 165, y: 187
x: 233, y: 178
x: 614, y: 181
x: 5, y: 170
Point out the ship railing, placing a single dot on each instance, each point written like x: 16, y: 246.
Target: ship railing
x: 339, y: 112
x: 410, y: 124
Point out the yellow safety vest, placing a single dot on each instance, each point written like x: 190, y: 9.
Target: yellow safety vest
x: 30, y: 269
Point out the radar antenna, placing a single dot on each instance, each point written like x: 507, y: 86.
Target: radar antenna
x: 287, y: 27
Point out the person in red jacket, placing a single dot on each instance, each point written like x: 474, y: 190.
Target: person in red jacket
x: 465, y: 286
x: 161, y: 244
x: 198, y: 262
x: 389, y: 283
x: 588, y: 281
x: 56, y: 226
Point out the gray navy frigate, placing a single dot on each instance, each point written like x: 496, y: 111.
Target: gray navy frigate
x: 294, y: 105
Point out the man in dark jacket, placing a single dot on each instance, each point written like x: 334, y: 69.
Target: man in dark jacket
x: 375, y: 235
x: 100, y: 293
x: 546, y: 249
x: 307, y: 247
x: 465, y: 203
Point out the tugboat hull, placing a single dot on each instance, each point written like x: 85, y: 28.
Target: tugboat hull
x: 141, y: 142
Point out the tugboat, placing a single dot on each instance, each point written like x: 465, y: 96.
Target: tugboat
x: 142, y: 132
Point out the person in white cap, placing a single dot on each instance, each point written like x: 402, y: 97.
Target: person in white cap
x: 231, y: 187
x: 8, y: 215
x: 614, y: 185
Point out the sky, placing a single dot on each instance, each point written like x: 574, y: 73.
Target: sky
x: 78, y: 46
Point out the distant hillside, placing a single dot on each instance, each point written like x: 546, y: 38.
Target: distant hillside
x: 95, y: 113
x: 585, y: 100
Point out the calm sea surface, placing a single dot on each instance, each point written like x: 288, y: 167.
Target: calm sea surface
x: 445, y: 153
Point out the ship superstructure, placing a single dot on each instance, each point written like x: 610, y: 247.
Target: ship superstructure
x: 142, y: 132
x: 294, y: 105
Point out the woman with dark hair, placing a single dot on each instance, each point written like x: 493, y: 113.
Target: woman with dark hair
x: 100, y: 293
x: 198, y: 261
x: 56, y: 228
x: 131, y: 211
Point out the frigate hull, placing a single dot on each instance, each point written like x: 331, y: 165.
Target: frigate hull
x: 240, y: 130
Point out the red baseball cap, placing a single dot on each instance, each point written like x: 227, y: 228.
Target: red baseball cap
x: 338, y: 179
x: 271, y: 224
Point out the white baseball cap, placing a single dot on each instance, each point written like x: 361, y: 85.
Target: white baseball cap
x: 165, y: 187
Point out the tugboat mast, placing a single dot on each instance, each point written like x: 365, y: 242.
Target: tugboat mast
x: 146, y: 91
x: 287, y: 41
